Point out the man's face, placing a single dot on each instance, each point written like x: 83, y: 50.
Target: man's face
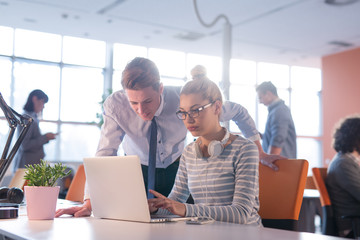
x: 145, y: 102
x: 265, y: 97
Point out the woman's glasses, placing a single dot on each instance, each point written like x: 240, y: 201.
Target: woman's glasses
x: 192, y: 113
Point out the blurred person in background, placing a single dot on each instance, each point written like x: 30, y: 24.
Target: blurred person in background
x: 343, y: 175
x: 32, y: 148
x: 280, y: 136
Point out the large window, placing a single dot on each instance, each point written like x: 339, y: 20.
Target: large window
x: 6, y: 41
x: 73, y: 72
x: 37, y: 45
x: 70, y: 71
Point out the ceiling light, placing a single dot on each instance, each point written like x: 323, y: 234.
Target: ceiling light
x: 340, y: 2
x: 341, y: 44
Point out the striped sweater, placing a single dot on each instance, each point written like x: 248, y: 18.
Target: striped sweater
x: 224, y: 188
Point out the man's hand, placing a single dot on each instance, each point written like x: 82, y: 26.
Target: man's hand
x: 161, y: 201
x: 81, y: 211
x: 269, y: 159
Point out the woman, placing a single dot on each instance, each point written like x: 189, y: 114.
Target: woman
x: 343, y: 177
x: 31, y: 150
x: 219, y: 170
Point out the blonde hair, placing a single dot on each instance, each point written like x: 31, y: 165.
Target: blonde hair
x: 198, y: 72
x: 201, y: 84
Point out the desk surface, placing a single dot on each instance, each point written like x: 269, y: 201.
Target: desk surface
x: 93, y: 228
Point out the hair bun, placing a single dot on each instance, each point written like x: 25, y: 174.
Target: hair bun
x: 198, y: 72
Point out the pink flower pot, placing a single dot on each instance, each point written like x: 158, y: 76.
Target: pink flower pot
x: 41, y: 202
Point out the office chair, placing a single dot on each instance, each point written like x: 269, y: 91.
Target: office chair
x: 328, y: 222
x: 310, y: 184
x: 328, y: 219
x: 281, y: 193
x: 76, y: 188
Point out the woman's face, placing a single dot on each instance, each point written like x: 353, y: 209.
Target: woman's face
x: 39, y: 104
x: 206, y: 116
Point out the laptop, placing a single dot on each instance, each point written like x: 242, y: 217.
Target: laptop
x: 117, y: 189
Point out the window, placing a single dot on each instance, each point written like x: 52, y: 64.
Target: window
x: 212, y: 65
x: 29, y: 76
x: 81, y: 93
x: 242, y: 91
x: 305, y: 100
x: 37, y: 45
x: 278, y: 74
x: 169, y: 63
x: 86, y: 52
x: 78, y: 141
x: 124, y: 53
x: 6, y: 40
x: 5, y: 83
x: 74, y: 90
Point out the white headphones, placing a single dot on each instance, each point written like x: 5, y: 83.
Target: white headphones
x: 215, y: 147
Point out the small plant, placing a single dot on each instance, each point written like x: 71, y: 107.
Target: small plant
x: 43, y: 174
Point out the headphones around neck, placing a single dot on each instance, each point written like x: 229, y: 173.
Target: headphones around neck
x: 215, y: 147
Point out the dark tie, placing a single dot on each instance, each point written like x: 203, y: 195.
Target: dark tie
x: 152, y: 157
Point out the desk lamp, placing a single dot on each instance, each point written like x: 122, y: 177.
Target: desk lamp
x: 7, y: 210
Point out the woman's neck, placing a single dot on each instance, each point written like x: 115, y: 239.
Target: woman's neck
x: 218, y: 134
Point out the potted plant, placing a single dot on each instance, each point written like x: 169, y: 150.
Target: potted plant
x: 41, y: 194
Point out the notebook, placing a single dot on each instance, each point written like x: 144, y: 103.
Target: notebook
x: 117, y: 190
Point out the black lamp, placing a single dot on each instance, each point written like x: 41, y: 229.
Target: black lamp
x: 14, y: 119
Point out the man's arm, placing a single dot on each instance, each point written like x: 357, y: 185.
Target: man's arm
x: 239, y: 114
x: 275, y: 150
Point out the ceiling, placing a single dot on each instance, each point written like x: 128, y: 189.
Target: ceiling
x: 295, y: 32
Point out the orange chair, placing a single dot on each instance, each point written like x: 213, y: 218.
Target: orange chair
x: 18, y: 179
x: 328, y: 223
x: 281, y: 193
x: 76, y: 189
x: 328, y: 220
x: 310, y: 184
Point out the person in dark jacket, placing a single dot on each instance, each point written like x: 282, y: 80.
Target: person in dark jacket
x: 32, y: 148
x: 343, y: 176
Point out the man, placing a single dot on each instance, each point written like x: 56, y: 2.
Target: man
x: 128, y: 118
x: 280, y: 136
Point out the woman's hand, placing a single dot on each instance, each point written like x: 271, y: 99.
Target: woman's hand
x: 81, y: 211
x: 161, y: 201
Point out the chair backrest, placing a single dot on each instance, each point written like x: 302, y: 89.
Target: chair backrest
x: 18, y: 179
x: 281, y: 193
x: 76, y: 189
x: 310, y: 184
x: 319, y: 175
x: 327, y: 219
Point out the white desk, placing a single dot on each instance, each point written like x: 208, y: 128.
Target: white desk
x: 91, y: 228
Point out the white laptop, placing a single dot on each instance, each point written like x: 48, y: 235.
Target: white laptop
x: 117, y: 190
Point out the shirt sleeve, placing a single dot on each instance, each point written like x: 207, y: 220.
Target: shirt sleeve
x: 241, y: 117
x: 111, y: 134
x: 245, y: 195
x: 180, y: 191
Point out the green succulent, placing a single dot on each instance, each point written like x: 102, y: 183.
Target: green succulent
x: 43, y: 174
